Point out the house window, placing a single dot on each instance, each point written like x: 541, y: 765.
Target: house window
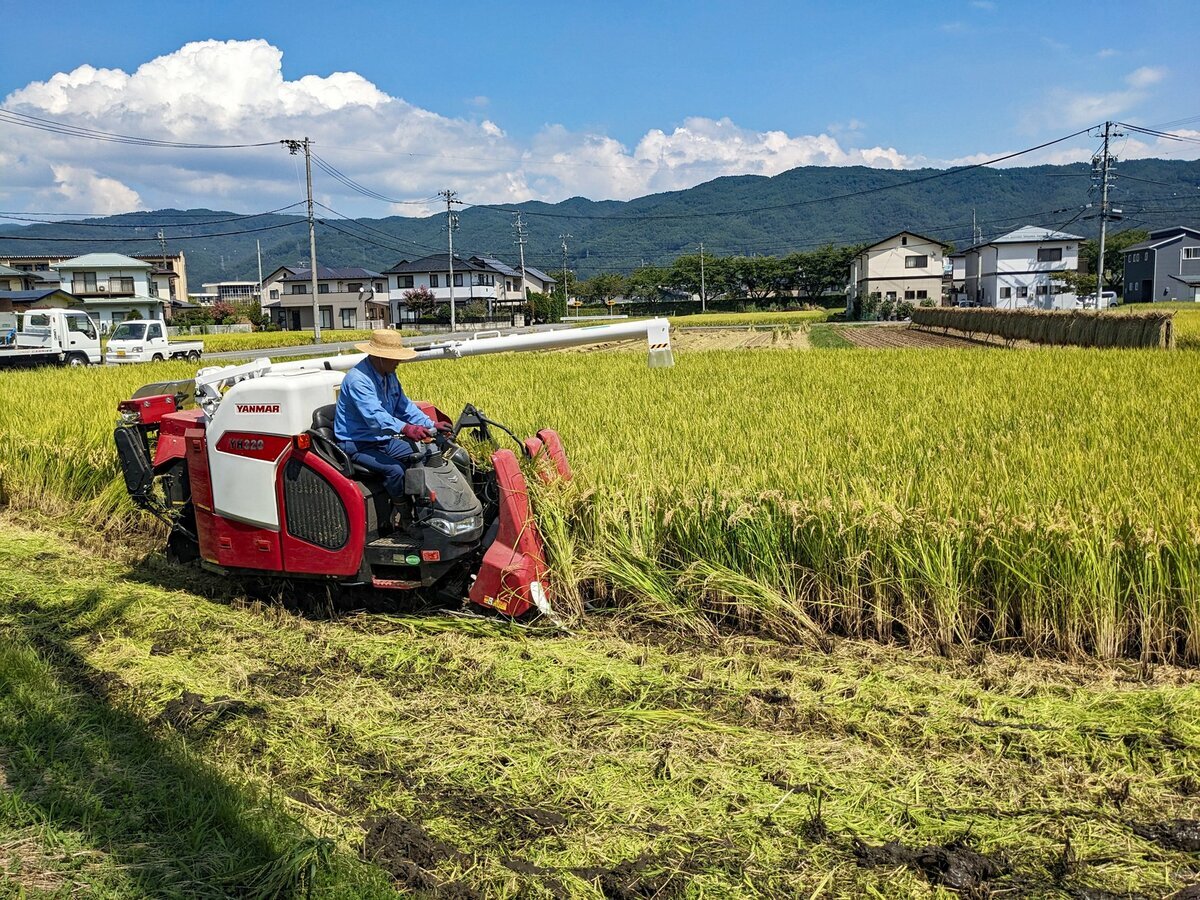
x: 299, y: 288
x: 910, y: 295
x: 1191, y: 252
x: 349, y: 318
x: 354, y: 287
x: 1042, y: 290
x: 903, y: 241
x: 1050, y: 254
x: 1022, y: 292
x: 922, y: 295
x: 916, y: 262
x: 404, y: 281
x: 322, y: 288
x: 379, y: 286
x: 326, y: 316
x: 891, y: 295
x: 274, y: 293
x: 120, y: 285
x: 84, y: 281
x: 1005, y: 293
x: 458, y: 279
x: 433, y: 281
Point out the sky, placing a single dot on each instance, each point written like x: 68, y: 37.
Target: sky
x: 505, y: 102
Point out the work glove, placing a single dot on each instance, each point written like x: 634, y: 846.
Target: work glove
x: 444, y: 427
x: 416, y: 433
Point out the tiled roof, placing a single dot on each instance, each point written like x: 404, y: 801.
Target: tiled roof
x: 329, y: 273
x: 102, y: 261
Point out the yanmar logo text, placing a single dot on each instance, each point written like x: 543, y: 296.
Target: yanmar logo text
x: 258, y: 407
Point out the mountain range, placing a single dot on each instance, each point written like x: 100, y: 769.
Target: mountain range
x: 740, y: 215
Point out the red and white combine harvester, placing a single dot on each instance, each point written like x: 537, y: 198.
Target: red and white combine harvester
x: 251, y: 480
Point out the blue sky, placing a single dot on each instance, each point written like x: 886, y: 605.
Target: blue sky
x: 547, y: 100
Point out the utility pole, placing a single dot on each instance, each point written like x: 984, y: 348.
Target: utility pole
x: 451, y: 223
x: 566, y: 296
x: 703, y: 301
x: 295, y: 147
x: 1105, y: 166
x: 162, y: 244
x: 519, y: 225
x: 258, y: 246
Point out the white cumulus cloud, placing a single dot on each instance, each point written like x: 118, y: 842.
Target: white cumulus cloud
x: 232, y: 92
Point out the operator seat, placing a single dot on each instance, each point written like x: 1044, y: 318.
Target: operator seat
x: 327, y: 446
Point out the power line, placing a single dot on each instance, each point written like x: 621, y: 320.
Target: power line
x: 133, y: 240
x: 237, y: 218
x: 861, y: 193
x: 12, y: 117
x: 344, y: 179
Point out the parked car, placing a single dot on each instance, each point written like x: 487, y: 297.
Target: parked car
x: 145, y: 340
x: 1107, y: 299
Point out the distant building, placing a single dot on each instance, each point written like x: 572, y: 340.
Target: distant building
x: 1165, y: 267
x: 227, y: 292
x: 477, y: 278
x: 348, y: 297
x: 20, y: 301
x: 112, y: 287
x: 905, y: 266
x: 16, y: 280
x: 1016, y: 270
x: 167, y: 276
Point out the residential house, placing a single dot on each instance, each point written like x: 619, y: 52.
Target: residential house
x: 112, y: 287
x: 1165, y: 267
x: 1017, y: 270
x: 22, y: 300
x: 167, y: 276
x: 483, y: 279
x: 347, y: 297
x: 905, y: 266
x: 228, y: 292
x: 17, y: 280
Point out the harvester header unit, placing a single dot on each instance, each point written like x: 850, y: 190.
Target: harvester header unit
x: 252, y: 480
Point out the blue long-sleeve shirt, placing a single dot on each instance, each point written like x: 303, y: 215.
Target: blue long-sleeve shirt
x: 373, y: 407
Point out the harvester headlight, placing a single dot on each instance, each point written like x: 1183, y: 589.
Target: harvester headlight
x: 454, y: 529
x: 131, y: 416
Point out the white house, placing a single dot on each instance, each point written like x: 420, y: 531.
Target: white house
x: 112, y: 287
x: 1016, y: 270
x: 905, y: 266
x: 348, y: 297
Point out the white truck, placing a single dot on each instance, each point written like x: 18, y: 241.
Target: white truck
x: 145, y: 340
x: 62, y: 337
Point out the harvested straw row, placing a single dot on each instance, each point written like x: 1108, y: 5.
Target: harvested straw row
x: 1078, y: 328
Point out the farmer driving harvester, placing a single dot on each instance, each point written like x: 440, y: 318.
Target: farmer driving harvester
x: 375, y: 422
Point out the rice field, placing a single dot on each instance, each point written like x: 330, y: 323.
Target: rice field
x: 259, y: 340
x: 1042, y: 500
x: 794, y: 317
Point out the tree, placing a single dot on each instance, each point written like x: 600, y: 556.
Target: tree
x: 420, y: 301
x: 602, y: 288
x: 685, y: 275
x: 547, y: 307
x: 753, y: 277
x: 224, y: 313
x: 1078, y: 283
x: 1113, y: 264
x: 823, y: 269
x: 648, y: 283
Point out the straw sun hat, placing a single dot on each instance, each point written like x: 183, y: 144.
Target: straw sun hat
x: 388, y: 344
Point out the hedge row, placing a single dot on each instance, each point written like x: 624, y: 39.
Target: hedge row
x: 1080, y: 328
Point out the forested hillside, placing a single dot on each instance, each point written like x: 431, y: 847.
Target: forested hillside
x: 745, y: 215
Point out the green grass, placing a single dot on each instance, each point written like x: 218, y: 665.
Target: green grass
x: 827, y: 337
x: 797, y: 317
x: 723, y: 767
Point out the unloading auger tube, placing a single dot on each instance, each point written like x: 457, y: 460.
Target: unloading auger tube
x: 212, y: 382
